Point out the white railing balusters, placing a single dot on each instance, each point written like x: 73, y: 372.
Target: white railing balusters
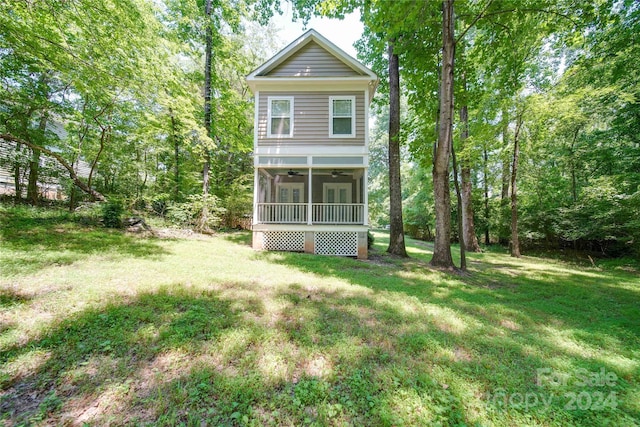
x: 322, y: 213
x: 282, y: 213
x: 338, y: 213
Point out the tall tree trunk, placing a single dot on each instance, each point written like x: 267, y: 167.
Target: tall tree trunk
x: 82, y: 134
x: 176, y: 158
x: 459, y: 210
x: 17, y: 178
x: 34, y: 162
x: 506, y: 173
x: 515, y: 242
x: 146, y: 174
x: 105, y: 135
x: 485, y: 178
x: 32, y: 185
x: 469, y: 238
x: 574, y: 186
x: 34, y: 165
x: 204, y: 216
x: 442, y: 245
x: 396, y: 238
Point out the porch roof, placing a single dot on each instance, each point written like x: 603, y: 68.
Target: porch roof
x: 314, y: 162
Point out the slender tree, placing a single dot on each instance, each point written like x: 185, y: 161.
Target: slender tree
x: 485, y: 184
x: 396, y: 238
x: 459, y: 210
x: 208, y: 49
x: 442, y: 245
x: 515, y: 241
x: 468, y: 237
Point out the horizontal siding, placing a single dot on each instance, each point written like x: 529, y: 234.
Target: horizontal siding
x: 49, y: 166
x: 313, y: 61
x: 311, y: 119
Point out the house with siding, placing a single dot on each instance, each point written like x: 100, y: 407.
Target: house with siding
x: 311, y: 144
x: 50, y: 171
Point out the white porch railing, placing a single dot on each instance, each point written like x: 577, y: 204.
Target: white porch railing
x: 282, y: 213
x: 322, y: 213
x: 338, y: 213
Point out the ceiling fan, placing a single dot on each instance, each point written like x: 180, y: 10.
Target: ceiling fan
x: 336, y: 173
x: 293, y: 173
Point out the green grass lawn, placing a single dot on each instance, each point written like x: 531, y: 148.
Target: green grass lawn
x: 105, y: 328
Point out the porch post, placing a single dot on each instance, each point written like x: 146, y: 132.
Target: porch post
x: 256, y: 192
x: 365, y: 187
x: 310, y: 200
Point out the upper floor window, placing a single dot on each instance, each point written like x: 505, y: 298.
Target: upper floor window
x: 342, y: 117
x: 280, y: 121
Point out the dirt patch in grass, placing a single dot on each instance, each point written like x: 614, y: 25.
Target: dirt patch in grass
x: 173, y: 233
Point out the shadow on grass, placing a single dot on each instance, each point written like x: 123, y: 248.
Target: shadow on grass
x: 517, y: 319
x: 88, y: 353
x: 406, y: 346
x: 10, y: 298
x: 589, y: 301
x: 185, y: 357
x: 33, y: 240
x: 240, y: 237
x: 344, y: 356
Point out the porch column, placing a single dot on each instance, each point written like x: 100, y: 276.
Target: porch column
x: 310, y: 200
x: 256, y: 192
x: 365, y: 190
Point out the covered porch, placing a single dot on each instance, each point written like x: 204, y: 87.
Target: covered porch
x: 311, y: 196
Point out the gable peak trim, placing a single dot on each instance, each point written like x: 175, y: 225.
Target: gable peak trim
x: 309, y: 36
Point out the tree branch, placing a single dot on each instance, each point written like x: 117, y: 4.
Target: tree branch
x: 72, y: 174
x: 500, y: 12
x: 480, y: 15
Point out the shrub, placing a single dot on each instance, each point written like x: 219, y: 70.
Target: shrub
x: 179, y: 214
x: 238, y: 203
x: 112, y: 214
x: 189, y: 214
x: 370, y: 240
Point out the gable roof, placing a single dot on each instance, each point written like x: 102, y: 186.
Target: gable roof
x: 312, y: 60
x: 357, y: 70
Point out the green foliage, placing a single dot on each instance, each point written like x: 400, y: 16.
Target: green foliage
x: 112, y: 214
x: 605, y: 215
x: 120, y: 82
x: 188, y: 214
x: 371, y: 240
x: 238, y: 202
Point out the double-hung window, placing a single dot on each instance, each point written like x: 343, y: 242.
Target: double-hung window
x: 280, y: 120
x: 342, y: 117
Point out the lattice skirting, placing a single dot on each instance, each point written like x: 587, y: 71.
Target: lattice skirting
x: 342, y: 243
x: 292, y: 241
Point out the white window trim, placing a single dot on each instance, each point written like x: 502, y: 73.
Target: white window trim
x: 291, y: 186
x: 353, y: 116
x: 269, y: 117
x: 336, y: 186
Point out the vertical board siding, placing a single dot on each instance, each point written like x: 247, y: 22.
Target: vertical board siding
x: 311, y: 119
x: 312, y: 61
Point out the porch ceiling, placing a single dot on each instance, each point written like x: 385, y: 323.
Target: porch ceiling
x: 316, y: 171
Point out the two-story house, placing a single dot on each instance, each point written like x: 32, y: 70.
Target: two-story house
x: 311, y: 149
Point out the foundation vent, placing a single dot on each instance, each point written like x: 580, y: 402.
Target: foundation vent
x: 336, y: 243
x: 292, y: 241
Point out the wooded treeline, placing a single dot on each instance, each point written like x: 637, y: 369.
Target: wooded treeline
x: 116, y: 88
x: 537, y: 100
x: 539, y: 103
